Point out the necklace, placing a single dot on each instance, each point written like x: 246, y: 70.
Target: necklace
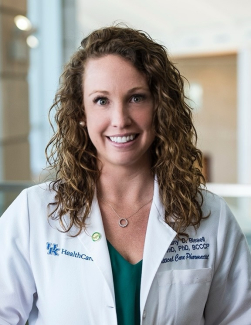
x: 123, y: 222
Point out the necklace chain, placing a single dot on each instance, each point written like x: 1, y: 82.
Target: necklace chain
x: 123, y: 222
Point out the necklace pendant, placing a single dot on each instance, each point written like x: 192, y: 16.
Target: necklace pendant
x: 123, y: 222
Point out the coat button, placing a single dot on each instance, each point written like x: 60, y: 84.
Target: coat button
x: 144, y: 314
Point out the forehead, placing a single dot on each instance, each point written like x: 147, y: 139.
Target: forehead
x: 112, y: 68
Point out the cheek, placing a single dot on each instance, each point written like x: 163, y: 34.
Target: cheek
x: 145, y: 120
x: 95, y: 126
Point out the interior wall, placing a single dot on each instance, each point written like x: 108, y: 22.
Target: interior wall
x: 14, y: 108
x: 216, y: 120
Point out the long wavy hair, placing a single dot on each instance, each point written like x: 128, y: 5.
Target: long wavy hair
x: 176, y: 161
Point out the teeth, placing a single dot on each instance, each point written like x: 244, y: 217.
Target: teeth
x: 123, y: 139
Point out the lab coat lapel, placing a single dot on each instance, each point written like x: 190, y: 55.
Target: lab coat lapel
x: 98, y: 249
x: 158, y: 238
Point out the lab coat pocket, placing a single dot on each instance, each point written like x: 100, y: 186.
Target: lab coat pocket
x: 183, y: 295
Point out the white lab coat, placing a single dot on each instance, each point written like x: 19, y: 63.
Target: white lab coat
x: 62, y: 280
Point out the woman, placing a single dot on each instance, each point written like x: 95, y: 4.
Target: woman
x: 125, y: 234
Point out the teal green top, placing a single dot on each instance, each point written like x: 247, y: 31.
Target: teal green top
x: 126, y: 279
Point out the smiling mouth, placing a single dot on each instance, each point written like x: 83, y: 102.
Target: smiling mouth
x: 123, y: 139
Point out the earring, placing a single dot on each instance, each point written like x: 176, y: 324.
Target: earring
x: 82, y: 123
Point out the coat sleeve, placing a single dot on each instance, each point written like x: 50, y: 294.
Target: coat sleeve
x: 17, y: 285
x: 229, y: 301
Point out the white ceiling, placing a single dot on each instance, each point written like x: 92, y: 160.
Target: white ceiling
x: 184, y: 26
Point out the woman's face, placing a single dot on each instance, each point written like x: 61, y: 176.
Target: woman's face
x: 119, y: 111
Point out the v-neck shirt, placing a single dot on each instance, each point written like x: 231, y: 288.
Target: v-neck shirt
x: 126, y: 279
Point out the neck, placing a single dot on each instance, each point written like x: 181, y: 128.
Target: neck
x: 125, y: 186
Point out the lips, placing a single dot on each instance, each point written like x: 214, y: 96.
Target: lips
x: 123, y: 139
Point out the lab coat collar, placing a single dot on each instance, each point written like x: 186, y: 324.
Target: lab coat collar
x: 158, y: 238
x: 98, y: 249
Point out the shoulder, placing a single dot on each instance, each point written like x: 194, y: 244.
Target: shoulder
x: 40, y: 192
x: 211, y: 201
x: 34, y: 199
x: 221, y: 221
x: 28, y: 213
x: 215, y: 206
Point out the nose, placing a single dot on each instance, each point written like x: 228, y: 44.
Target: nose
x: 120, y: 116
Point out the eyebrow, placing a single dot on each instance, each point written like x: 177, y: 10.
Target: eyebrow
x: 132, y: 90
x: 99, y: 91
x: 138, y: 89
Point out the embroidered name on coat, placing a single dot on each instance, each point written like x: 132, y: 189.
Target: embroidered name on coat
x: 182, y: 250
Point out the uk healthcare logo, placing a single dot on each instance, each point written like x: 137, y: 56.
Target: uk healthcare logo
x: 52, y: 249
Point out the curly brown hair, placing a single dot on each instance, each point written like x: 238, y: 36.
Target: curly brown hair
x: 176, y: 161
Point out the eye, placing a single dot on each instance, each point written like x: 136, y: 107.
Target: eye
x: 137, y: 98
x: 100, y: 101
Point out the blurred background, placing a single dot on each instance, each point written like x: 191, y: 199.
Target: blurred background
x: 208, y: 40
